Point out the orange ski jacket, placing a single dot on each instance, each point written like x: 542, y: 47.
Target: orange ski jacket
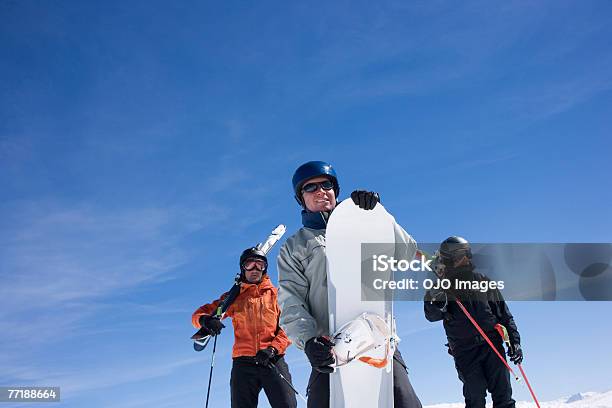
x: 255, y: 315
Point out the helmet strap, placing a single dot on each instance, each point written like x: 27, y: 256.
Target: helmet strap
x: 300, y: 201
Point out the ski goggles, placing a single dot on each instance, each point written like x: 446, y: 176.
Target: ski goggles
x: 251, y: 264
x: 312, y: 187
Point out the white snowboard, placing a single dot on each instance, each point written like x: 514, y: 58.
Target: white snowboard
x: 357, y: 384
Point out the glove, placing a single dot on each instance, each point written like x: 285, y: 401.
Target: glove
x: 516, y: 353
x: 366, y: 200
x: 264, y: 356
x: 319, y: 353
x: 212, y: 323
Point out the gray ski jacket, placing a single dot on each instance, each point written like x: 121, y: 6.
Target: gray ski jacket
x: 302, y: 278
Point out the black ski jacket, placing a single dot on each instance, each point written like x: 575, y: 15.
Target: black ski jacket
x: 488, y: 312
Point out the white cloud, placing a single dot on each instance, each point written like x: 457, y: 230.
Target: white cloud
x: 58, y: 264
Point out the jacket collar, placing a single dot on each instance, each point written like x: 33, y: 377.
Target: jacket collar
x: 265, y: 283
x: 316, y: 220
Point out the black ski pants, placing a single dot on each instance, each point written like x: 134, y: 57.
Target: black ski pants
x: 403, y: 393
x: 248, y: 379
x: 480, y: 369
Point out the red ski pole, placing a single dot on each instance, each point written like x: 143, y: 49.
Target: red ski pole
x: 504, y: 335
x: 529, y: 385
x: 484, y: 336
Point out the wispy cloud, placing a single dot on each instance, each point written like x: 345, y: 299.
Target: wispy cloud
x: 180, y: 397
x: 481, y: 160
x: 57, y: 262
x: 78, y: 253
x: 401, y: 49
x: 554, y: 96
x: 79, y: 381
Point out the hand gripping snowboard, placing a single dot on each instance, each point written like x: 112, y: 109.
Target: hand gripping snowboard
x: 363, y: 330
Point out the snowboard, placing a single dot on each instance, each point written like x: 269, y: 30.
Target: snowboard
x: 357, y: 384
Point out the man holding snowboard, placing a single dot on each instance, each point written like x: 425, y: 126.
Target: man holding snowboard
x: 302, y: 268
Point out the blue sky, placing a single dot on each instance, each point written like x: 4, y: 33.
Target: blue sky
x: 144, y: 145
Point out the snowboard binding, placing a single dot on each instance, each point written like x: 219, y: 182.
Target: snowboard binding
x: 367, y: 333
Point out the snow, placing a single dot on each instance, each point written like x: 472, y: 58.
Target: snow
x: 580, y: 400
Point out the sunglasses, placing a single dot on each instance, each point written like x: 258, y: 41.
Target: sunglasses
x: 312, y: 187
x: 251, y: 264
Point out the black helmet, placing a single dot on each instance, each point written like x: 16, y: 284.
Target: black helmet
x: 250, y: 253
x: 310, y: 170
x: 454, y: 248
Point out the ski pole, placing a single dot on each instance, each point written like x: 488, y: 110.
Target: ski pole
x: 504, y: 335
x: 277, y: 371
x: 484, y: 336
x: 212, y: 365
x: 529, y: 385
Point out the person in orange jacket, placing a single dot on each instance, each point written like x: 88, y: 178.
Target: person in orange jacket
x: 258, y: 339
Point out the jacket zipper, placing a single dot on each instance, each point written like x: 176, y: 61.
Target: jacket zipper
x: 260, y: 313
x: 323, y: 218
x: 256, y: 325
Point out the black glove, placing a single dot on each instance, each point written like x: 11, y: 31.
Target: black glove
x: 319, y: 353
x: 366, y: 200
x: 264, y: 356
x: 212, y: 323
x: 516, y: 353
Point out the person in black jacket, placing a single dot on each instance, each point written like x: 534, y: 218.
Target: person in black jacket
x: 479, y: 368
